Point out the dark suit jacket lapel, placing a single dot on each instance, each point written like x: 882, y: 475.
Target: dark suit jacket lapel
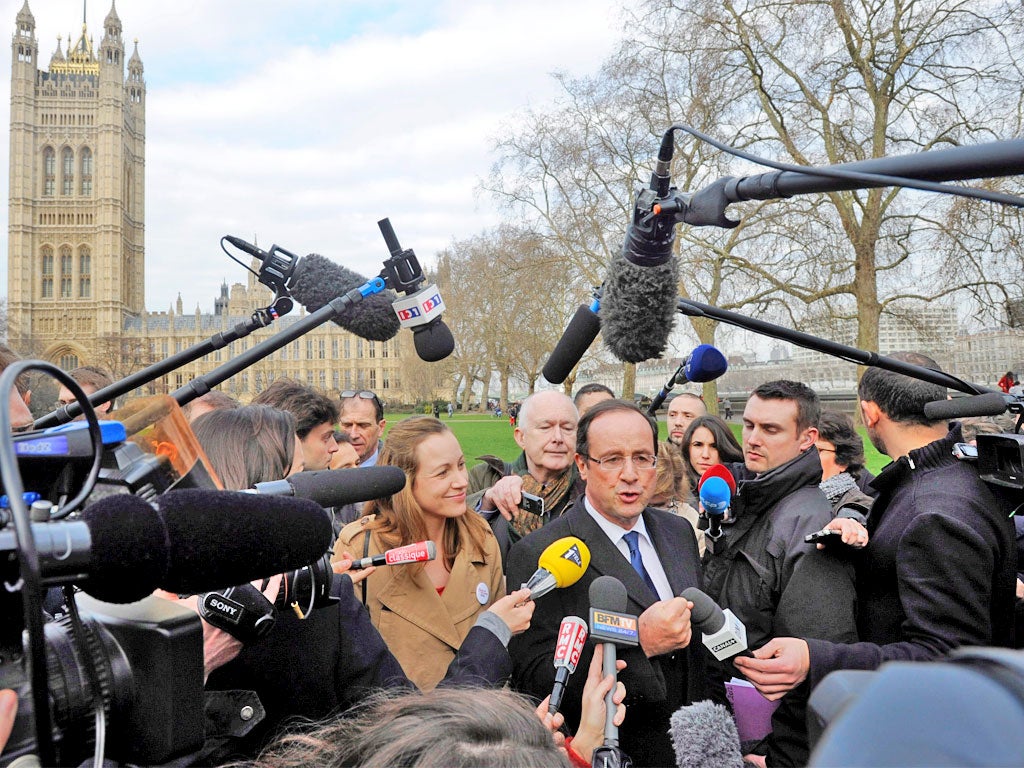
x: 680, y: 575
x: 606, y: 559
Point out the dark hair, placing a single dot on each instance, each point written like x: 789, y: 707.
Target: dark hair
x: 9, y: 357
x: 838, y: 429
x: 247, y: 445
x: 607, y: 406
x: 725, y: 442
x: 340, y: 436
x: 442, y: 728
x: 902, y: 398
x: 808, y: 407
x: 588, y: 389
x: 309, y: 407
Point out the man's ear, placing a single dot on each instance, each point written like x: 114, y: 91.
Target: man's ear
x: 27, y: 397
x: 519, y: 437
x: 581, y: 465
x: 870, y: 412
x: 809, y: 438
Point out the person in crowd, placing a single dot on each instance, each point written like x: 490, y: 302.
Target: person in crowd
x: 424, y: 610
x: 589, y: 395
x: 682, y: 410
x: 762, y: 569
x: 727, y: 408
x: 325, y: 662
x: 706, y: 442
x: 315, y: 416
x: 20, y: 395
x: 546, y: 432
x: 450, y: 727
x: 841, y: 451
x: 346, y: 457
x: 672, y: 489
x: 362, y: 417
x: 90, y: 378
x: 211, y: 401
x: 939, y: 572
x: 1007, y: 380
x: 451, y: 410
x: 652, y: 552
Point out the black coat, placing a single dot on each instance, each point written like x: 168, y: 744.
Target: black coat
x: 939, y: 570
x: 655, y: 687
x: 322, y: 665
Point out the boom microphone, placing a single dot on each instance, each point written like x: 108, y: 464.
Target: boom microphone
x: 722, y: 633
x: 578, y: 336
x: 561, y: 564
x: 337, y: 487
x: 317, y: 281
x: 121, y: 548
x: 419, y: 552
x: 704, y: 735
x: 989, y: 404
x: 572, y: 636
x: 704, y: 363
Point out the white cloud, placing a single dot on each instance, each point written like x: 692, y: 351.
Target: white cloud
x: 303, y: 123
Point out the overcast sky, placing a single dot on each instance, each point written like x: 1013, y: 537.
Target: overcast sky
x: 304, y: 122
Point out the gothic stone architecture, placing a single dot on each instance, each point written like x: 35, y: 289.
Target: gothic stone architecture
x: 76, y: 255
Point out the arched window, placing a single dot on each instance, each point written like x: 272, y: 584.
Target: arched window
x: 86, y: 167
x: 68, y: 166
x: 49, y: 171
x: 47, y: 273
x: 84, y: 273
x: 68, y: 361
x: 66, y: 267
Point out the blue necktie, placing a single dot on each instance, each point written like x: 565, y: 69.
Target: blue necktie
x: 633, y: 542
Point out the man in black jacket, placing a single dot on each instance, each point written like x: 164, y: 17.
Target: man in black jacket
x: 762, y: 569
x: 939, y: 570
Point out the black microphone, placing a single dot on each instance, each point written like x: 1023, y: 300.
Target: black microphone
x: 121, y: 548
x: 722, y: 633
x: 422, y: 307
x: 989, y: 404
x: 337, y: 487
x: 572, y: 637
x: 578, y: 336
x: 317, y: 281
x: 611, y: 625
x: 704, y: 735
x: 639, y: 304
x: 704, y: 363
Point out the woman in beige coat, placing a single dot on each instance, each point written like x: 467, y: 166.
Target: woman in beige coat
x: 425, y: 610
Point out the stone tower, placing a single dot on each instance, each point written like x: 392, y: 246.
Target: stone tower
x: 77, y: 192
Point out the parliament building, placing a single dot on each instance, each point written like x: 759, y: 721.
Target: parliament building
x: 76, y: 240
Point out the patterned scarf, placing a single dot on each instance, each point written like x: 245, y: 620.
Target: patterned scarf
x: 837, y: 485
x: 555, y: 493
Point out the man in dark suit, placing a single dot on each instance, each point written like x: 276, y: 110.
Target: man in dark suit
x: 652, y: 552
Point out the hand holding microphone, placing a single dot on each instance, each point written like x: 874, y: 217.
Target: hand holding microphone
x: 561, y: 564
x: 721, y: 632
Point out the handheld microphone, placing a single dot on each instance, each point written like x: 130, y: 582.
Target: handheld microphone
x: 561, y: 564
x: 718, y: 470
x: 611, y: 625
x: 721, y: 632
x: 121, y: 548
x: 421, y: 308
x: 715, y: 499
x: 337, y: 487
x: 572, y: 636
x: 578, y: 336
x: 419, y: 552
x: 704, y: 735
x: 988, y: 404
x: 639, y: 305
x: 704, y: 363
x: 242, y: 611
x: 317, y: 281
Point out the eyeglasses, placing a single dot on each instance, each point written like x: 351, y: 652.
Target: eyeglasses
x: 618, y: 463
x: 364, y: 394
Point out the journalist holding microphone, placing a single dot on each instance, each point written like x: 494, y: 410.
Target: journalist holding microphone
x: 424, y: 610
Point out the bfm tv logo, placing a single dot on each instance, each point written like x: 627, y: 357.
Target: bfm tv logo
x: 429, y: 305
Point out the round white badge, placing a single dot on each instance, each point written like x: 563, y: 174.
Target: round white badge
x: 482, y: 593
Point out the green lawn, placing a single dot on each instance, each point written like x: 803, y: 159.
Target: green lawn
x: 480, y: 434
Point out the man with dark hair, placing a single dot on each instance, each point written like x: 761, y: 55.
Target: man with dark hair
x: 651, y: 551
x: 590, y: 395
x: 91, y: 379
x: 17, y: 400
x: 682, y: 410
x: 761, y: 568
x: 939, y: 572
x: 315, y: 416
